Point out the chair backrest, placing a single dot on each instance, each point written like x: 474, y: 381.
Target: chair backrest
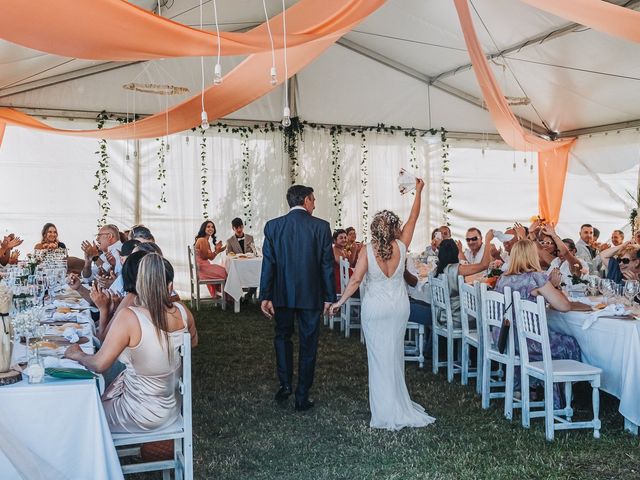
x: 469, y: 304
x: 495, y: 307
x: 344, y: 273
x: 192, y: 275
x: 184, y: 385
x: 440, y: 299
x: 531, y: 318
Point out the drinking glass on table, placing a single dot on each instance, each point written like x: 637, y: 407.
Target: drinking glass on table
x: 607, y: 289
x: 630, y: 289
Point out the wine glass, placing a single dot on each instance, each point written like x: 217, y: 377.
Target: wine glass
x: 630, y: 289
x: 607, y: 289
x: 592, y: 285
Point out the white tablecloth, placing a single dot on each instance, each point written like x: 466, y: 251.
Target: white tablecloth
x: 241, y: 273
x: 612, y: 345
x: 58, y: 425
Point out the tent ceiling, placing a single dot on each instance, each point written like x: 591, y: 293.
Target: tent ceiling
x: 343, y: 86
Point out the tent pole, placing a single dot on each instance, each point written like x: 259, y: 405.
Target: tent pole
x: 138, y: 181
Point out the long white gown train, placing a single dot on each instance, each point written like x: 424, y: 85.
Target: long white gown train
x: 385, y: 312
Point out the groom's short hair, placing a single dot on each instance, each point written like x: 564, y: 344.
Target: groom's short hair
x: 296, y: 195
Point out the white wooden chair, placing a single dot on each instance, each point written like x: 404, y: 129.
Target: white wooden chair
x: 495, y: 307
x: 350, y: 311
x: 196, y: 283
x: 414, y: 344
x: 531, y: 319
x: 470, y: 309
x: 441, y: 308
x: 180, y: 432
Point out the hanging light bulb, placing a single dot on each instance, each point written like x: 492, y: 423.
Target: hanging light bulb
x: 514, y: 166
x: 127, y: 158
x: 217, y: 74
x: 286, y: 119
x: 205, y: 121
x: 274, y: 76
x: 525, y: 159
x: 531, y: 168
x: 187, y: 139
x: 168, y: 146
x: 482, y: 151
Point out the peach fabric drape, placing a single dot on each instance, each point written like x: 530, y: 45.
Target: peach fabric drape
x: 239, y: 87
x: 550, y: 171
x: 602, y: 16
x: 119, y: 31
x: 3, y: 126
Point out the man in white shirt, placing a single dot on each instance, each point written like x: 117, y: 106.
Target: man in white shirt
x: 103, y: 254
x: 474, y: 253
x: 585, y: 251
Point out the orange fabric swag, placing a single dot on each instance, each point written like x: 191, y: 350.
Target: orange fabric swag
x: 239, y: 87
x: 601, y: 16
x: 77, y: 29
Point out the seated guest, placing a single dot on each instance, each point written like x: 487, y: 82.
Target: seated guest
x: 449, y: 266
x: 117, y: 286
x: 103, y: 254
x: 352, y: 247
x: 445, y: 231
x: 240, y: 242
x: 475, y: 250
x: 141, y: 233
x: 610, y: 262
x: 525, y: 276
x: 9, y: 242
x: 204, y: 239
x: 432, y: 249
x: 586, y: 250
x: 567, y: 263
x: 49, y: 239
x: 339, y: 251
x: 617, y: 238
x: 419, y: 307
x: 147, y: 339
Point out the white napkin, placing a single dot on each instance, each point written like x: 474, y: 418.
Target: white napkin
x: 71, y: 335
x: 57, y: 317
x: 503, y: 237
x: 609, y: 311
x: 406, y: 181
x: 53, y: 362
x: 585, y: 300
x: 79, y: 303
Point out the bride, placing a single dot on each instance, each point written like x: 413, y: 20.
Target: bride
x: 385, y: 312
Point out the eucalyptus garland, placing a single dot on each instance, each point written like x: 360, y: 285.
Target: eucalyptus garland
x: 204, y: 170
x: 102, y: 173
x: 446, y: 187
x: 364, y: 184
x: 335, y: 174
x: 246, y: 180
x: 162, y: 172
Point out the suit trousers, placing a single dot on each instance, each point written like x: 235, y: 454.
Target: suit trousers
x: 308, y: 332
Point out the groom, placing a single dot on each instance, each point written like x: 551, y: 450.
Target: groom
x: 297, y: 281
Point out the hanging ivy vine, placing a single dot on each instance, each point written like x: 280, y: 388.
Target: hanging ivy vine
x: 364, y: 184
x: 335, y: 173
x: 446, y: 186
x: 162, y: 171
x: 102, y: 173
x: 292, y: 135
x: 246, y: 180
x: 204, y: 170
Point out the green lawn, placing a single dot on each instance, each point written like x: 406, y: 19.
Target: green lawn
x: 241, y: 433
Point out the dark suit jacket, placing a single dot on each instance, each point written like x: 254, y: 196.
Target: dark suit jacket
x: 297, y: 264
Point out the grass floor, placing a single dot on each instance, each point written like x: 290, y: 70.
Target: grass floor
x: 241, y: 433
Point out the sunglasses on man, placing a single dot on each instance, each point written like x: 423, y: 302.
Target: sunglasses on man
x: 625, y: 260
x: 472, y: 239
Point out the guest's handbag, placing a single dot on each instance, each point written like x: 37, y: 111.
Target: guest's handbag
x: 504, y: 335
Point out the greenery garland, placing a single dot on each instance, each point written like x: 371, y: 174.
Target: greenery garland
x: 203, y: 175
x: 102, y: 173
x: 292, y: 134
x: 335, y: 173
x: 162, y: 172
x: 446, y: 186
x: 364, y: 184
x: 246, y: 180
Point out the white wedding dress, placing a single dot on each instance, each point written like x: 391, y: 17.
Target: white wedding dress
x: 385, y: 312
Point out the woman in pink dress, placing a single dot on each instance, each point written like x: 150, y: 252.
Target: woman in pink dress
x: 204, y: 239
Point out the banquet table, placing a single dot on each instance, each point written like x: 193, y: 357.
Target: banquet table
x: 56, y: 429
x: 242, y: 273
x: 614, y: 346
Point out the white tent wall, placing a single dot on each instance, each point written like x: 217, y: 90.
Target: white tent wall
x: 48, y: 177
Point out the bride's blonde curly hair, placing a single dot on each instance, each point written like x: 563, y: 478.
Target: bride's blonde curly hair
x: 385, y: 228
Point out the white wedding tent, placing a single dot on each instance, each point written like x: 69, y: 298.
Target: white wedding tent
x: 406, y: 65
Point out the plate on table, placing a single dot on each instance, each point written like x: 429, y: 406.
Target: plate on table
x: 59, y: 341
x: 76, y: 373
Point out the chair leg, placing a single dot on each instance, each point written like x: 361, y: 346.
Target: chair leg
x: 568, y: 394
x: 524, y: 395
x: 548, y: 410
x: 434, y: 351
x: 508, y: 393
x: 166, y: 475
x: 595, y: 400
x: 198, y: 297
x: 450, y: 354
x: 421, y: 347
x: 347, y: 323
x: 486, y: 379
x: 479, y: 368
x: 465, y: 362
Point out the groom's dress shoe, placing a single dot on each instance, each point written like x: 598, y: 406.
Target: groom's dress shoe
x: 304, y: 405
x: 283, y: 393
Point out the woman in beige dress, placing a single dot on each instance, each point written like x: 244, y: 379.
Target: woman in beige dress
x: 146, y: 339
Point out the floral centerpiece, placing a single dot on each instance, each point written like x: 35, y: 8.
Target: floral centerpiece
x: 6, y: 332
x: 27, y: 323
x: 32, y: 263
x: 5, y: 299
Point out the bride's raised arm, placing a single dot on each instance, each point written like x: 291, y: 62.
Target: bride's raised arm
x: 407, y: 231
